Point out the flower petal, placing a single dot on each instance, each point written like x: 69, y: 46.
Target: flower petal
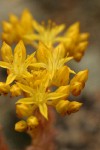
x: 4, y: 64
x: 31, y: 37
x: 39, y: 28
x: 19, y: 53
x: 59, y: 52
x: 43, y: 54
x: 55, y: 95
x: 11, y: 77
x: 6, y: 53
x: 25, y: 88
x: 57, y: 29
x: 25, y: 101
x: 38, y: 65
x: 29, y: 60
x: 43, y: 110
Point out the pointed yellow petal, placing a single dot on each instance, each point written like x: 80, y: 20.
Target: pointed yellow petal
x: 59, y: 52
x: 19, y: 53
x: 71, y: 71
x: 38, y: 65
x: 11, y: 77
x: 5, y: 65
x: 43, y: 54
x: 6, y: 53
x: 13, y: 19
x: 64, y: 90
x: 26, y: 19
x: 55, y: 95
x: 25, y: 88
x: 74, y: 27
x: 30, y: 59
x: 62, y: 76
x: 57, y: 29
x: 43, y: 110
x: 37, y: 26
x: 32, y: 37
x: 27, y: 74
x: 6, y: 26
x: 25, y: 101
x: 64, y: 60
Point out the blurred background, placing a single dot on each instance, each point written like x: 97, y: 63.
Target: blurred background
x: 79, y: 131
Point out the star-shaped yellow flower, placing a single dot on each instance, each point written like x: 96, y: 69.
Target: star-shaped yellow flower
x: 16, y: 64
x: 47, y: 34
x: 41, y: 97
x: 53, y: 60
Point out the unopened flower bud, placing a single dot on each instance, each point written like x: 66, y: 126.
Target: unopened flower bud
x: 73, y: 107
x: 15, y: 90
x: 7, y: 26
x: 78, y: 82
x: 62, y: 106
x: 13, y: 19
x: 4, y: 88
x: 82, y: 46
x: 32, y: 122
x: 81, y: 76
x: 84, y: 36
x: 76, y: 88
x: 23, y: 110
x: 21, y: 126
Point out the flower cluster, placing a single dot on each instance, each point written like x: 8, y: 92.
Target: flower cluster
x: 43, y: 77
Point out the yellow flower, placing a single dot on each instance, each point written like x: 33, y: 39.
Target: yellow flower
x: 52, y: 60
x: 15, y: 29
x: 47, y: 34
x: 78, y: 82
x: 16, y: 64
x: 41, y: 97
x: 75, y: 42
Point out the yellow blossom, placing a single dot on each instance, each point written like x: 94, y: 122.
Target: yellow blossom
x: 46, y: 34
x: 21, y: 126
x: 16, y: 28
x: 41, y: 97
x: 53, y: 60
x: 43, y: 77
x: 78, y: 82
x: 17, y: 67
